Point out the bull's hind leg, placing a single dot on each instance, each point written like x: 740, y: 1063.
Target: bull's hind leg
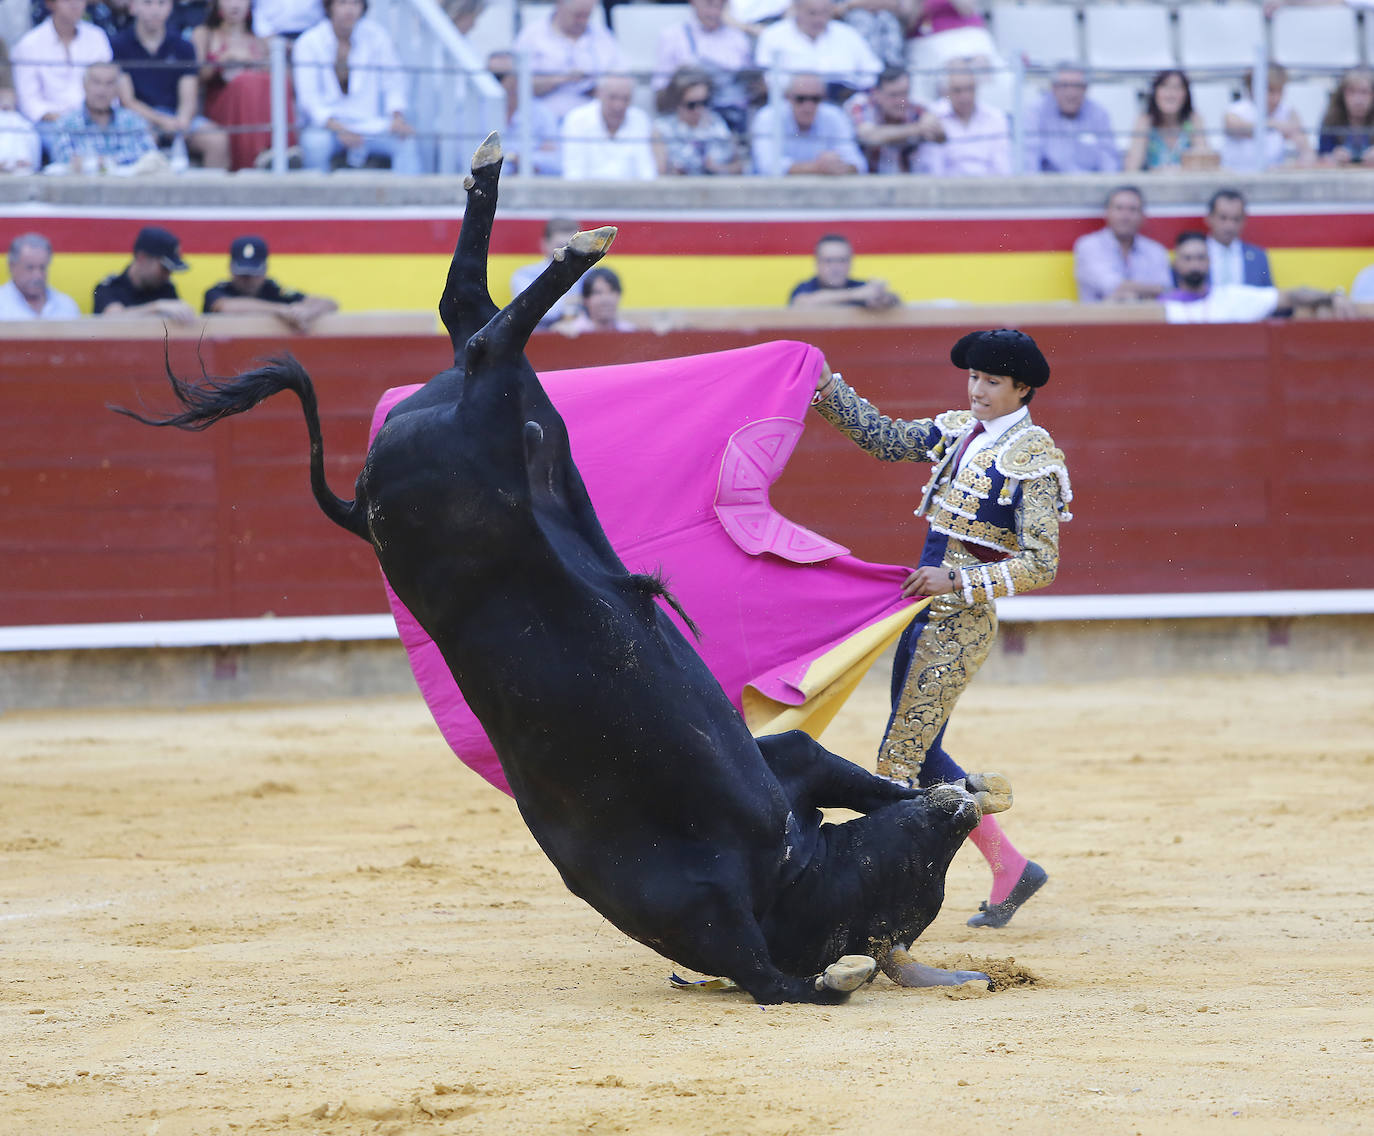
x: 466, y: 304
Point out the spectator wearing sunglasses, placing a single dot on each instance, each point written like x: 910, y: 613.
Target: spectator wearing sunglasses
x: 691, y: 139
x: 813, y: 136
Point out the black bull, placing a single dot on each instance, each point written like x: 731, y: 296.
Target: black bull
x: 633, y: 771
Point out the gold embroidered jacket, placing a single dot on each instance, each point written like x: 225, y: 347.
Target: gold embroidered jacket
x: 1008, y: 499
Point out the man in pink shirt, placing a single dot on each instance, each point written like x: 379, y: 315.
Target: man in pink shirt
x: 50, y: 62
x: 977, y: 139
x: 1117, y: 263
x: 567, y: 53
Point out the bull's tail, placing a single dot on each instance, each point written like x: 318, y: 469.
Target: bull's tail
x: 205, y: 403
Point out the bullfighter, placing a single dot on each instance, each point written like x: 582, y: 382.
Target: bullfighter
x: 997, y: 492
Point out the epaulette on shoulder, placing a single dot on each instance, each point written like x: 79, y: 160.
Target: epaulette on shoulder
x: 953, y: 422
x: 1032, y: 454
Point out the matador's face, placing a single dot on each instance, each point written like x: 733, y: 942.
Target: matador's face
x: 991, y: 396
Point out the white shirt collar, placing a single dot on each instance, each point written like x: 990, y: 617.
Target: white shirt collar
x: 994, y: 428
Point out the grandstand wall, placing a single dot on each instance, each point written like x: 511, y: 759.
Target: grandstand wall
x: 1202, y: 460
x: 392, y: 259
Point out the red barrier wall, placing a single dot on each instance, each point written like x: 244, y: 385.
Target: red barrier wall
x: 1203, y: 458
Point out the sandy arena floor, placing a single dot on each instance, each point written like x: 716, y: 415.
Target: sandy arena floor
x: 313, y: 919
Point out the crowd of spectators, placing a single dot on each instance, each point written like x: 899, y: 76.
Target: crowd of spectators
x: 906, y: 87
x: 145, y: 287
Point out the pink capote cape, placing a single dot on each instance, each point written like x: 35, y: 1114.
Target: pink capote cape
x: 678, y: 456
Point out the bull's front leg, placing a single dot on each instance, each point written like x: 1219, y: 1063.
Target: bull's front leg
x: 904, y: 970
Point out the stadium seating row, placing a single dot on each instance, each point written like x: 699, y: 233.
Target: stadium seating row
x: 1141, y: 36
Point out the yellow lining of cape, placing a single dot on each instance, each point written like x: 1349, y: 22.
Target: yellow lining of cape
x: 829, y: 680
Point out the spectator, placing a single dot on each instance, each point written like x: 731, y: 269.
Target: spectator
x: 26, y: 296
x: 49, y: 61
x: 977, y: 139
x: 558, y: 231
x: 882, y: 24
x: 1069, y: 133
x: 102, y: 135
x: 1232, y: 260
x: 607, y: 137
x: 1170, y: 130
x: 833, y: 287
x: 1347, y: 133
x: 352, y: 93
x: 949, y: 32
x: 548, y: 153
x: 20, y: 149
x: 889, y: 126
x: 1194, y: 300
x: 566, y: 53
x: 705, y: 42
x: 159, y: 83
x: 1282, y: 142
x: 690, y: 138
x: 235, y: 79
x: 145, y: 286
x: 803, y: 134
x: 600, y: 305
x: 250, y: 291
x: 812, y: 40
x: 1116, y: 262
x: 287, y: 18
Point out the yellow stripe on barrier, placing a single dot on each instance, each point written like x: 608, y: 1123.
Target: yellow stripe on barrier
x: 406, y: 282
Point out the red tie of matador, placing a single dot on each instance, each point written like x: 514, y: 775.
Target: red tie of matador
x: 977, y: 429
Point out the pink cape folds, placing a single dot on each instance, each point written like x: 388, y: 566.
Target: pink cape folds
x: 678, y: 456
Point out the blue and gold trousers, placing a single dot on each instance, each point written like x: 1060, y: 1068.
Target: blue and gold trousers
x: 937, y: 657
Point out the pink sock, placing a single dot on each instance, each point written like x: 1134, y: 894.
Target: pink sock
x: 1006, y: 862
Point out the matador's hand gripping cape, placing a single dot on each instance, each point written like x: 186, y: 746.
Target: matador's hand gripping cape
x: 678, y: 456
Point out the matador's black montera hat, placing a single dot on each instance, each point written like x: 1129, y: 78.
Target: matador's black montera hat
x: 1002, y: 352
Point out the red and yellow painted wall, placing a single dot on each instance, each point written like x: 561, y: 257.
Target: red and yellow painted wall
x: 1203, y: 459
x: 395, y: 259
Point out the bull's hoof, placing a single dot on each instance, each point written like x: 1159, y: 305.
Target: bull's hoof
x: 904, y: 970
x: 992, y: 791
x: 847, y: 973
x: 591, y: 244
x: 1033, y: 877
x: 488, y: 153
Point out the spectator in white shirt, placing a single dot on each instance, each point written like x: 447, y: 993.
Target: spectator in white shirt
x: 26, y: 296
x: 351, y: 92
x: 812, y: 40
x: 608, y: 138
x: 977, y: 139
x: 566, y: 53
x: 49, y: 62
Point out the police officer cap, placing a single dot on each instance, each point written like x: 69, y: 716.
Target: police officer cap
x: 1002, y: 352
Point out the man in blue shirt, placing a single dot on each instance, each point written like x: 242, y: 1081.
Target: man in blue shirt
x: 160, y: 83
x: 1068, y: 133
x: 101, y: 135
x: 813, y: 137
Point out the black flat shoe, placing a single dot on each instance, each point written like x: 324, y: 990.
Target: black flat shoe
x: 1032, y: 878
